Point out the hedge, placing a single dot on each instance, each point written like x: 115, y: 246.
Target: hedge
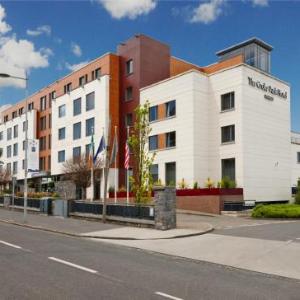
x: 276, y: 211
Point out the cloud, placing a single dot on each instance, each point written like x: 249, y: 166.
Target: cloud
x: 76, y: 67
x: 4, y: 27
x: 75, y: 48
x: 260, y: 2
x: 128, y: 8
x: 207, y: 12
x: 44, y: 29
x: 18, y: 56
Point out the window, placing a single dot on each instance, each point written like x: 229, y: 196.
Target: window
x: 8, y: 134
x: 128, y: 93
x: 49, y: 162
x: 227, y: 101
x: 228, y: 134
x: 77, y: 107
x: 154, y: 172
x: 128, y: 120
x: 15, y: 131
x: 42, y: 143
x: 250, y: 55
x: 15, y: 167
x: 49, y: 141
x: 43, y: 103
x: 23, y: 164
x: 62, y: 111
x: 42, y: 163
x: 170, y: 139
x: 43, y: 122
x: 50, y: 120
x: 8, y: 151
x: 90, y: 101
x: 15, y: 149
x: 82, y: 80
x: 62, y: 133
x: 6, y: 118
x: 30, y: 106
x: 24, y: 125
x: 87, y: 150
x: 298, y: 157
x: 228, y: 168
x: 76, y: 153
x: 89, y: 126
x: 1, y: 135
x: 52, y: 95
x: 21, y: 111
x: 1, y: 153
x: 153, y: 113
x: 14, y: 114
x: 77, y: 131
x: 153, y: 142
x: 23, y: 143
x: 129, y: 67
x: 68, y: 88
x: 171, y: 108
x: 97, y: 73
x: 8, y: 168
x: 170, y: 173
x: 61, y: 156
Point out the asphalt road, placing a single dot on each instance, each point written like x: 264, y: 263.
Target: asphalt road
x: 283, y: 231
x: 41, y: 265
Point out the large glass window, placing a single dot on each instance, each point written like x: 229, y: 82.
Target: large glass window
x: 15, y: 149
x: 227, y: 101
x: 90, y: 101
x: 154, y: 172
x: 77, y: 107
x: 153, y: 142
x: 76, y: 153
x: 8, y: 135
x: 170, y: 173
x: 250, y: 55
x: 129, y: 67
x: 228, y: 168
x: 128, y: 93
x: 298, y: 157
x: 170, y: 139
x: 62, y: 111
x: 61, y: 156
x: 128, y: 120
x: 77, y: 131
x: 15, y: 131
x: 171, y: 108
x: 15, y: 167
x: 153, y: 113
x: 8, y: 151
x: 62, y: 133
x: 228, y: 134
x: 1, y: 135
x: 89, y: 126
x: 43, y: 103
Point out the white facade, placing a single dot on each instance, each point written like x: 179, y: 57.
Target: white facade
x: 15, y: 144
x: 100, y: 114
x: 261, y: 147
x: 295, y: 156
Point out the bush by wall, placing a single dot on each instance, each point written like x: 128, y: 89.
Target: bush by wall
x: 276, y: 211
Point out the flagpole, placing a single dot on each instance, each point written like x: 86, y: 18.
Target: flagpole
x: 92, y: 167
x: 103, y: 169
x: 127, y: 189
x: 115, y: 171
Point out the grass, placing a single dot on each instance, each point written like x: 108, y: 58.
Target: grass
x: 276, y: 211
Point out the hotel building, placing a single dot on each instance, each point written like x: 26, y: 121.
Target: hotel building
x: 231, y: 118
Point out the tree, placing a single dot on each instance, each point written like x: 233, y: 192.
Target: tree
x: 5, y: 177
x: 142, y: 160
x: 78, y: 170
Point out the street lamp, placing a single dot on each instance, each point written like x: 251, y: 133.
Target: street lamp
x: 4, y: 75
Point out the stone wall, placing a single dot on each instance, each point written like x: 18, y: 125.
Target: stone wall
x: 66, y: 189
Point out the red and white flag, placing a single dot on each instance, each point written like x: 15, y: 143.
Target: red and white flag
x: 127, y: 157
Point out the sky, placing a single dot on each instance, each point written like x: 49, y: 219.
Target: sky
x: 49, y: 39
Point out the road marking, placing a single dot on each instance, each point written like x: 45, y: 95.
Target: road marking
x: 167, y: 296
x: 10, y: 245
x: 73, y: 265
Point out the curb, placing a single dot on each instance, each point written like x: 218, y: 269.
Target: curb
x: 210, y: 229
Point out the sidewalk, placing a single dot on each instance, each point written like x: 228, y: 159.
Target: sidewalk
x: 96, y: 229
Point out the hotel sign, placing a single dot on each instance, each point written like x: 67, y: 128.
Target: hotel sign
x: 267, y: 88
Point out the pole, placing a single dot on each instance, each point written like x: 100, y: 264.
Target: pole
x: 103, y: 174
x: 127, y: 177
x: 115, y: 169
x: 92, y: 167
x: 26, y: 151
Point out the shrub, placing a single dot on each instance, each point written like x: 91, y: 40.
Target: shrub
x: 276, y: 211
x: 171, y: 184
x: 111, y: 189
x: 158, y: 182
x: 195, y: 185
x: 227, y: 183
x: 122, y: 189
x: 297, y: 197
x: 182, y: 184
x: 209, y: 183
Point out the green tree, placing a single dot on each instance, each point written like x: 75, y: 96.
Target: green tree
x: 141, y: 181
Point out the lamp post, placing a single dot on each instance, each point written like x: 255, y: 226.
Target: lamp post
x: 4, y: 75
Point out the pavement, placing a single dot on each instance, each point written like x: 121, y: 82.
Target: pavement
x: 97, y: 229
x: 43, y: 265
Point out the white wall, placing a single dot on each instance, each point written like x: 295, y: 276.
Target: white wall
x: 32, y: 123
x: 295, y: 148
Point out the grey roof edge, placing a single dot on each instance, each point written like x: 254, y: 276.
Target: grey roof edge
x: 245, y: 43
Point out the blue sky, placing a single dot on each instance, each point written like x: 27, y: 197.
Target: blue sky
x: 51, y: 38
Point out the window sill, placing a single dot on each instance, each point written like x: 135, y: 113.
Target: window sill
x: 227, y: 110
x: 227, y: 143
x: 162, y: 149
x: 164, y: 119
